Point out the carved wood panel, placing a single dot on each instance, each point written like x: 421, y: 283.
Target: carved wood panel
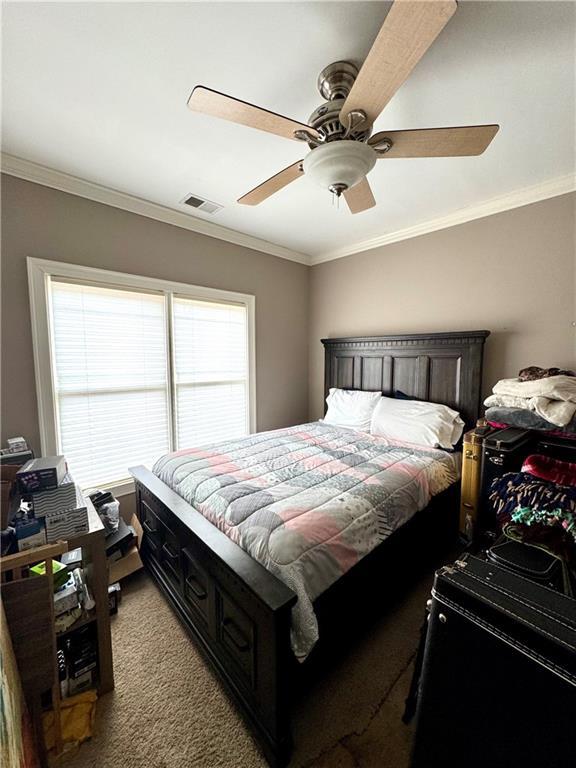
x: 443, y: 367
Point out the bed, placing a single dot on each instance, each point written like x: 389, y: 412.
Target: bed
x: 219, y: 566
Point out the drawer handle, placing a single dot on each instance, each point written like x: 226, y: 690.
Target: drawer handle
x: 235, y: 634
x: 153, y: 545
x: 169, y: 552
x: 194, y: 585
x: 148, y: 528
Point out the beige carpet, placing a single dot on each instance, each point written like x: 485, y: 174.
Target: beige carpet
x: 169, y: 711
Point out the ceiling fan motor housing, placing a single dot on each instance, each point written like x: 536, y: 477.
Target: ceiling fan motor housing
x: 326, y: 120
x: 334, y: 84
x: 339, y: 165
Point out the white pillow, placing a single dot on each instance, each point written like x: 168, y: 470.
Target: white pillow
x: 419, y: 423
x: 351, y: 408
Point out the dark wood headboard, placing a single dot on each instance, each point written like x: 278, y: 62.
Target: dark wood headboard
x: 439, y: 367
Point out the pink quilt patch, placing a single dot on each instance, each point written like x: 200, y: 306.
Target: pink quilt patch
x: 316, y: 527
x: 345, y: 555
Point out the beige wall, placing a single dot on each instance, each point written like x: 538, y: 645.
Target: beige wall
x: 512, y: 273
x: 42, y: 222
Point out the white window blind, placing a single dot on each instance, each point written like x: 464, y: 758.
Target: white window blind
x: 210, y: 371
x: 129, y: 383
x: 110, y: 379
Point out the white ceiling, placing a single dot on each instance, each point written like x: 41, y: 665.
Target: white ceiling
x: 99, y: 91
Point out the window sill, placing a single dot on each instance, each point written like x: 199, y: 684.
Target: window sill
x: 121, y: 488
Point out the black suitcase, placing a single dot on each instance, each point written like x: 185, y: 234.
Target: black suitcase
x: 498, y: 685
x: 563, y: 448
x: 503, y: 451
x: 534, y: 563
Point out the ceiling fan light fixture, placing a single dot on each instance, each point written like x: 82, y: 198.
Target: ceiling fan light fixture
x: 339, y: 165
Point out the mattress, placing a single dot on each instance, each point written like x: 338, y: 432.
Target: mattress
x: 308, y: 502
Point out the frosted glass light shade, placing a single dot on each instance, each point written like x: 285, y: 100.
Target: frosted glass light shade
x: 339, y: 163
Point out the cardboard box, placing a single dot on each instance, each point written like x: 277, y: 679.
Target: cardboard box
x: 69, y: 523
x: 29, y: 534
x: 63, y: 526
x: 59, y: 571
x: 16, y: 444
x: 135, y: 523
x: 32, y: 541
x: 53, y: 500
x: 8, y: 492
x: 131, y: 562
x: 41, y: 473
x: 66, y: 598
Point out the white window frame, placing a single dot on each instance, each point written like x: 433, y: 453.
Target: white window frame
x: 40, y: 271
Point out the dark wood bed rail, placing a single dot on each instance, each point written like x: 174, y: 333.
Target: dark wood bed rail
x: 238, y: 612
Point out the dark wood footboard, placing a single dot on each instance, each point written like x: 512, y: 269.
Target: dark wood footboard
x: 237, y: 611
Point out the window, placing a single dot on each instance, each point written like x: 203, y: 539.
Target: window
x: 130, y: 368
x: 210, y: 374
x: 110, y: 379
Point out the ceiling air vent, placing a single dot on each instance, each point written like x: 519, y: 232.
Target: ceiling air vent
x: 207, y: 206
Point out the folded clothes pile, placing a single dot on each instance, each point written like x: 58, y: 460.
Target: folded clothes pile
x: 541, y: 496
x: 537, y: 507
x: 546, y: 403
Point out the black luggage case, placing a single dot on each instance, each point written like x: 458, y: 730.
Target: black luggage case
x: 498, y: 687
x: 503, y: 451
x: 563, y: 448
x: 534, y: 563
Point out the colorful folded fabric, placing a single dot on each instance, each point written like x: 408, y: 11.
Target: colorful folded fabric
x: 548, y: 468
x: 520, y: 489
x: 529, y: 516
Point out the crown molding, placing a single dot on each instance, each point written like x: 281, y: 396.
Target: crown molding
x: 48, y: 177
x: 534, y: 194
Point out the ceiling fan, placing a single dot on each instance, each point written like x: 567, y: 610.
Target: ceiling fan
x: 339, y: 131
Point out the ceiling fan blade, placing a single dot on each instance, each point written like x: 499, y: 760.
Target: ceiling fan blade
x: 272, y: 185
x: 360, y: 197
x: 408, y: 31
x: 437, y: 142
x: 228, y: 108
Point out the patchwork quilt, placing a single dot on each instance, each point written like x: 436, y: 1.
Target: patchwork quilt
x: 308, y: 502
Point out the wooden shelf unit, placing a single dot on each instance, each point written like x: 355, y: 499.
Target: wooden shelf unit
x: 19, y: 619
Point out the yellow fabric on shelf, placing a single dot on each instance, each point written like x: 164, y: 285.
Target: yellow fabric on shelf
x: 77, y: 716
